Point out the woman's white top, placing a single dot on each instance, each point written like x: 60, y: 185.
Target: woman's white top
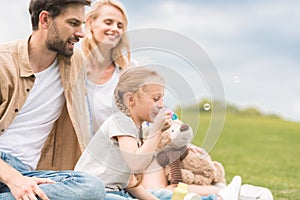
x: 101, y: 100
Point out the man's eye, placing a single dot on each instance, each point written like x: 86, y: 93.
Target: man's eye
x: 74, y: 24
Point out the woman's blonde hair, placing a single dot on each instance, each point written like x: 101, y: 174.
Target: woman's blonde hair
x: 121, y: 52
x: 133, y: 79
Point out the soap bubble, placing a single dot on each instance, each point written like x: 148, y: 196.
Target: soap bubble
x: 206, y: 106
x: 236, y: 79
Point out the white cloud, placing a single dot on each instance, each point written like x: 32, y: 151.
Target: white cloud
x: 258, y: 41
x: 187, y: 18
x: 254, y: 40
x: 14, y: 20
x: 296, y: 108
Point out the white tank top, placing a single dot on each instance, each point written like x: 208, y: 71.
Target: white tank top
x: 26, y: 136
x: 101, y: 99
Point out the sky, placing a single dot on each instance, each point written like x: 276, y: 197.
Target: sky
x: 253, y: 46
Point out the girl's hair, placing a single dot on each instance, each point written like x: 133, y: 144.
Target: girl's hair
x: 133, y: 79
x: 121, y: 52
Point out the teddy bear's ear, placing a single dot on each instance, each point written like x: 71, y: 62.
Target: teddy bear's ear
x: 162, y: 159
x: 184, y: 127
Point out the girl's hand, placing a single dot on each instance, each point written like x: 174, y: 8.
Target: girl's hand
x: 161, y: 122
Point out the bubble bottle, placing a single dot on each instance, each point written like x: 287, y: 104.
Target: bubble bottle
x: 173, y: 115
x: 180, y: 191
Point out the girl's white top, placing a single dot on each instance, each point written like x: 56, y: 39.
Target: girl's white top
x: 103, y: 157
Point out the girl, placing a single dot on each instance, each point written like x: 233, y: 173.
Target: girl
x: 117, y: 153
x: 104, y: 45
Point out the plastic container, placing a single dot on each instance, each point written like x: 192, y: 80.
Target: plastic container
x: 180, y: 191
x: 192, y: 196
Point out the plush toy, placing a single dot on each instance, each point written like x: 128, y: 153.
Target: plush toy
x: 173, y: 148
x: 199, y: 169
x: 184, y: 165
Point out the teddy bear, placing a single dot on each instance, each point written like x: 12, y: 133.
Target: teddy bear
x: 173, y: 148
x: 184, y: 165
x: 199, y: 169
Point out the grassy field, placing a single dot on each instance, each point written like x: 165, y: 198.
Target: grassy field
x: 263, y: 150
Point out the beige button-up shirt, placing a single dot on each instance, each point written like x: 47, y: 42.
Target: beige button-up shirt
x: 71, y: 132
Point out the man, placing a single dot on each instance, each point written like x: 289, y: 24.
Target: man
x: 43, y: 120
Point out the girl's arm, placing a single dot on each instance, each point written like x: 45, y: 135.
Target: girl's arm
x: 154, y: 177
x: 139, y: 191
x: 138, y: 158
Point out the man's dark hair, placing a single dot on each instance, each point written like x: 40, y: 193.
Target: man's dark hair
x: 54, y: 7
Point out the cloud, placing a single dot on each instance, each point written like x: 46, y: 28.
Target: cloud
x: 14, y: 20
x: 185, y: 17
x: 256, y: 41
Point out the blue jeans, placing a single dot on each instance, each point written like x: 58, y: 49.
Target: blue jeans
x: 69, y: 184
x: 210, y: 197
x: 162, y: 194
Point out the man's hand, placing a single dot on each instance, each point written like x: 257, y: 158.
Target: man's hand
x: 26, y: 188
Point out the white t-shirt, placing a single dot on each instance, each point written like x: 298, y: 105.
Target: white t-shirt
x: 101, y: 100
x: 103, y: 158
x: 26, y: 136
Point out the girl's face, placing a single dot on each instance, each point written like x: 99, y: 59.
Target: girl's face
x: 147, y: 102
x: 108, y: 28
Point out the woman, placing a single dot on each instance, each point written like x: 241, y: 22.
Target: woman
x: 104, y: 45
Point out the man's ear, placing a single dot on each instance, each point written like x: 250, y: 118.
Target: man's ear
x: 44, y: 19
x: 129, y: 99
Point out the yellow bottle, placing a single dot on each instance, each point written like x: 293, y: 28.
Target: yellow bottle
x: 180, y: 191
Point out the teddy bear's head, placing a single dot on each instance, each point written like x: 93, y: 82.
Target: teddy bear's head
x: 178, y: 136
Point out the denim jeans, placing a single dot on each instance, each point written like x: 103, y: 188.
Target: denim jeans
x: 210, y: 197
x: 69, y: 184
x: 162, y: 194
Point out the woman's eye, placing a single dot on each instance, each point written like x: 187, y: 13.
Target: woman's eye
x: 108, y: 22
x: 120, y: 26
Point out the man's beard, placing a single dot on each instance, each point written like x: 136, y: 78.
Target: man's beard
x: 55, y: 43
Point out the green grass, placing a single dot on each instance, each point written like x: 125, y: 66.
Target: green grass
x: 263, y: 150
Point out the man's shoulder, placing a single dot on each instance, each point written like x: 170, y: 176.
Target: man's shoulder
x: 9, y: 47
